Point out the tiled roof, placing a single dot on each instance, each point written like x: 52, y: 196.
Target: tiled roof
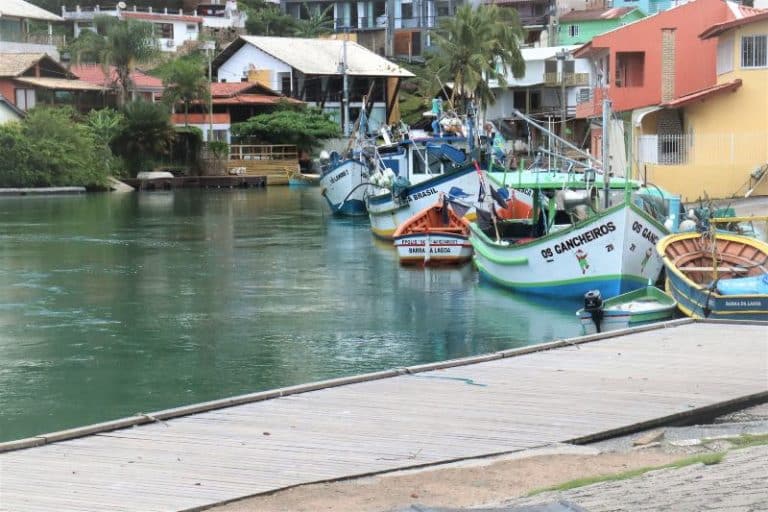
x: 94, y: 73
x: 61, y: 84
x: 201, y: 118
x: 156, y: 16
x: 703, y: 94
x: 227, y: 89
x: 253, y: 99
x: 22, y: 9
x: 716, y: 30
x: 596, y: 14
x: 14, y: 64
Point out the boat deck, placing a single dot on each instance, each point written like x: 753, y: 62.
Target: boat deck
x: 575, y: 390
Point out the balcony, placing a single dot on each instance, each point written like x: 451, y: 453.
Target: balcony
x: 590, y: 105
x: 571, y: 79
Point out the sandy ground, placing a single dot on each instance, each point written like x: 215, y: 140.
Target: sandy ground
x: 470, y: 483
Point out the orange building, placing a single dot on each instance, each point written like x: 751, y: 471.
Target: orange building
x: 656, y: 59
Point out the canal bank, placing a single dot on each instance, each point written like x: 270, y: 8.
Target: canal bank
x: 579, y: 390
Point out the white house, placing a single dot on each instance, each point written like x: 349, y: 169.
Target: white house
x: 15, y: 34
x: 538, y: 92
x: 313, y: 70
x: 9, y: 111
x: 173, y: 27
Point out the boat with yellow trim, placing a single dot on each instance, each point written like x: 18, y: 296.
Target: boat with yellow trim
x: 717, y: 275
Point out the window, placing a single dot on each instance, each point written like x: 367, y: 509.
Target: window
x: 724, y: 55
x: 573, y: 30
x: 191, y: 28
x: 25, y: 98
x: 407, y: 11
x: 754, y: 51
x: 164, y: 30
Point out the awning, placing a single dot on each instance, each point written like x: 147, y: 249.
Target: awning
x: 639, y: 113
x: 61, y: 84
x: 703, y: 94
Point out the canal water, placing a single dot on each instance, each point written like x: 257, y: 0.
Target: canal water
x: 112, y: 305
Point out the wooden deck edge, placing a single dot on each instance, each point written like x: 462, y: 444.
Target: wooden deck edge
x: 678, y: 419
x: 223, y: 403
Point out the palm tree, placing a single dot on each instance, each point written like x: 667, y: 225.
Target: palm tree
x: 318, y: 23
x: 475, y: 46
x: 185, y: 81
x: 128, y: 43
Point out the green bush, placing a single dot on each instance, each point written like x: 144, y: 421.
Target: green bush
x: 50, y: 149
x: 302, y: 126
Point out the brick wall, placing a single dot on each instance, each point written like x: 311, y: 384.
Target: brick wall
x: 667, y: 64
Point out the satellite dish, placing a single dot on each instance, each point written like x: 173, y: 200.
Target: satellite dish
x: 121, y: 5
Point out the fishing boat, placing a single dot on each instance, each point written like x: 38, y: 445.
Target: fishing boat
x: 369, y: 169
x: 303, y: 179
x: 717, y: 275
x: 437, y: 235
x: 629, y: 309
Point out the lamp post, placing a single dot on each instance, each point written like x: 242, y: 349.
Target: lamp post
x: 209, y: 47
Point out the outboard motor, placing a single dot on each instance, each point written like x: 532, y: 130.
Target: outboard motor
x: 593, y: 304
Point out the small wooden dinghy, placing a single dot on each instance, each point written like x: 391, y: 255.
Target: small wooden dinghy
x: 436, y: 235
x: 716, y: 275
x: 627, y: 310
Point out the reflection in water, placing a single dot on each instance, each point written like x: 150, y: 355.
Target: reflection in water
x: 112, y: 305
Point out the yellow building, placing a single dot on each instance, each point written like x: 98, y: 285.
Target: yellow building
x: 713, y: 142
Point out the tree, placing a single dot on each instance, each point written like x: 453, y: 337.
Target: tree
x: 266, y: 19
x: 145, y: 134
x: 475, y: 46
x: 49, y: 148
x: 124, y: 44
x: 318, y: 23
x: 185, y: 81
x: 301, y: 126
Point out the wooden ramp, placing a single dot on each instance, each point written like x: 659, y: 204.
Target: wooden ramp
x: 498, y: 403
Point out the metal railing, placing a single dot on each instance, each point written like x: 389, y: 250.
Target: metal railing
x: 709, y: 149
x: 263, y: 152
x: 571, y: 79
x: 46, y: 39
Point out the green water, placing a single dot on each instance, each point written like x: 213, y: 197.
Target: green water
x: 111, y: 305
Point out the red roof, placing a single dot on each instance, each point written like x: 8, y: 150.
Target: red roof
x: 202, y: 118
x: 715, y: 30
x: 158, y: 16
x: 94, y: 73
x: 253, y: 99
x: 703, y: 94
x: 227, y: 89
x: 597, y: 14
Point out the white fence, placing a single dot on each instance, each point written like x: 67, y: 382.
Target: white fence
x: 685, y: 149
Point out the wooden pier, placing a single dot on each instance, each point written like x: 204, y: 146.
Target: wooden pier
x: 566, y: 391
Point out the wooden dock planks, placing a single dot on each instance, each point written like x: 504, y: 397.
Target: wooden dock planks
x: 495, y: 406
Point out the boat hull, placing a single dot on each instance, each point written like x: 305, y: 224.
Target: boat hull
x: 386, y: 213
x: 697, y: 301
x: 637, y: 307
x: 433, y: 248
x: 345, y: 187
x: 612, y: 252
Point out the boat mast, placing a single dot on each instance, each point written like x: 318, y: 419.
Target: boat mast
x: 604, y: 150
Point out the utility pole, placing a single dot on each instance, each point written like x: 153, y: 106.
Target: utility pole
x: 345, y: 114
x: 561, y: 56
x: 209, y: 47
x: 604, y: 150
